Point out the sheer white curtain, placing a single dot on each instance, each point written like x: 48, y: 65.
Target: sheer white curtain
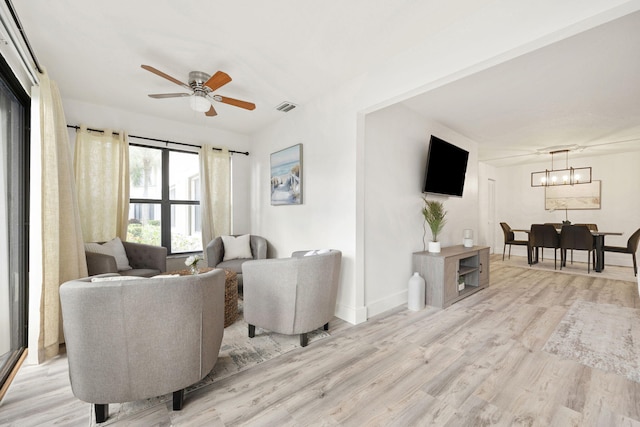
x: 215, y: 200
x: 62, y: 246
x: 102, y: 177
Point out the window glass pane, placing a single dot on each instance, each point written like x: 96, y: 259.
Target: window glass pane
x: 185, y: 229
x: 14, y: 194
x: 145, y: 172
x: 184, y: 170
x: 144, y: 223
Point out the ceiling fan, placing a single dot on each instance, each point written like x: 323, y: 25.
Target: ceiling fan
x: 201, y: 87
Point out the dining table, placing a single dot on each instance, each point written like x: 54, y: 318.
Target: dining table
x: 598, y: 240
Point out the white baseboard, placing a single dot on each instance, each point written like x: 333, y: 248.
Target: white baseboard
x: 353, y: 315
x: 387, y: 303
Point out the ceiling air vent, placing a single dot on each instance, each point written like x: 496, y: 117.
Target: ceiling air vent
x: 285, y: 107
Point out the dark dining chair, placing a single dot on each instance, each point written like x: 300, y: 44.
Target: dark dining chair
x: 545, y: 236
x: 509, y: 239
x: 557, y: 226
x: 631, y: 248
x: 577, y: 237
x: 591, y: 227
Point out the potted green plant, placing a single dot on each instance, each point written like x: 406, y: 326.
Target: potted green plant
x: 434, y: 215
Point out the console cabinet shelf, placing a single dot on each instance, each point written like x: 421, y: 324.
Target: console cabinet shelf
x: 452, y: 274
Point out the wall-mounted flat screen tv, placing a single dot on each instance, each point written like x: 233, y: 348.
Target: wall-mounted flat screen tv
x: 446, y: 168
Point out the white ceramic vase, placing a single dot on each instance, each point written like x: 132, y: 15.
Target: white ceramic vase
x: 434, y: 247
x: 416, y: 293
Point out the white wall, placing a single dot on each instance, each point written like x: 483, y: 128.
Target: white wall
x: 397, y: 142
x: 326, y: 218
x: 521, y: 205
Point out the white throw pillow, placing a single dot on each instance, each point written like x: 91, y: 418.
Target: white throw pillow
x: 114, y: 248
x: 237, y: 247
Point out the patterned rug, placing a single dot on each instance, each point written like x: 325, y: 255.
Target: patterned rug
x: 608, y: 341
x: 613, y: 272
x: 237, y: 353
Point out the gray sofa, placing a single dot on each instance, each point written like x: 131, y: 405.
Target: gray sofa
x: 215, y: 255
x: 134, y: 338
x: 291, y: 295
x: 145, y: 261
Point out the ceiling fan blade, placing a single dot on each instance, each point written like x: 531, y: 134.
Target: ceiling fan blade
x: 168, y: 95
x: 219, y: 79
x: 235, y: 102
x: 166, y: 76
x: 212, y: 112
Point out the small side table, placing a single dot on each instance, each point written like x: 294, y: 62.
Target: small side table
x: 230, y: 292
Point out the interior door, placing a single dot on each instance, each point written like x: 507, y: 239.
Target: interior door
x: 491, y: 213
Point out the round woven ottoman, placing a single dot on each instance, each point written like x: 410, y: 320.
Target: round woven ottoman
x: 230, y: 298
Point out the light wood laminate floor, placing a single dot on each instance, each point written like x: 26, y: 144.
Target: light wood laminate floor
x: 477, y: 363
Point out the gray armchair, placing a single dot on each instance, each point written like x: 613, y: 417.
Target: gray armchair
x: 145, y: 261
x: 134, y: 339
x: 291, y: 295
x: 215, y: 255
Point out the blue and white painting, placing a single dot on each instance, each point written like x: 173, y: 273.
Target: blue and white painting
x: 286, y: 176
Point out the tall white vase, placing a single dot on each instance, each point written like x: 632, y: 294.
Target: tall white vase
x: 416, y: 294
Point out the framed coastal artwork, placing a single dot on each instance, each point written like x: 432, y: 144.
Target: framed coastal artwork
x: 286, y: 176
x: 579, y: 196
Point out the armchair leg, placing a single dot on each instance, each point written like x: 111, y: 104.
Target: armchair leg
x: 252, y: 331
x: 102, y: 412
x: 326, y: 326
x: 178, y: 399
x: 304, y: 340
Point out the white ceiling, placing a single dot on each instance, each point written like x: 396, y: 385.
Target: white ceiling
x: 583, y: 90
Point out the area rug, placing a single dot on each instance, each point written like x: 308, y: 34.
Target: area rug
x: 612, y: 272
x: 237, y: 353
x: 601, y: 336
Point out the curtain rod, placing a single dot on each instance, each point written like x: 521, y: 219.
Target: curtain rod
x: 16, y: 20
x: 76, y: 127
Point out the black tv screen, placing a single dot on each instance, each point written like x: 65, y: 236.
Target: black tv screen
x: 446, y: 168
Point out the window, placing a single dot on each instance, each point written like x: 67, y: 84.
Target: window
x: 14, y: 213
x: 164, y: 198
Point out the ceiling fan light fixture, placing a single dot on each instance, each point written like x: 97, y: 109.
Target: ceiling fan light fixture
x: 200, y: 103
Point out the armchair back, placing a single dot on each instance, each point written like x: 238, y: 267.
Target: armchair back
x: 134, y: 339
x: 303, y: 288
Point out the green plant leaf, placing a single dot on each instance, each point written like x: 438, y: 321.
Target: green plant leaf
x: 434, y: 214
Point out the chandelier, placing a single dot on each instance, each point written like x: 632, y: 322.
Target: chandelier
x: 566, y: 176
